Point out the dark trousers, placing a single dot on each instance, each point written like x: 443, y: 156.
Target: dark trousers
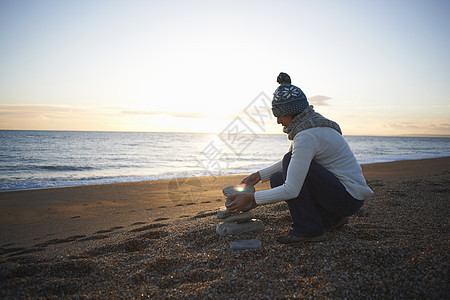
x: 322, y: 202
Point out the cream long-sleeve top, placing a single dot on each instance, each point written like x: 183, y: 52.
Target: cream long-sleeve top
x: 326, y: 147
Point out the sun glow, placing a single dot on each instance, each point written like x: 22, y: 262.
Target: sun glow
x: 183, y: 66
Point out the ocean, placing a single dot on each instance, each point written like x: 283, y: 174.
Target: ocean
x: 47, y: 159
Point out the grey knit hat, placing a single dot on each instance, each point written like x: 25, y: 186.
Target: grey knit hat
x: 288, y: 99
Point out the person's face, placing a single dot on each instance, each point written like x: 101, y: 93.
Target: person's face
x: 285, y: 120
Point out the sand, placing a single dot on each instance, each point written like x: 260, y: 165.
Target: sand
x: 157, y: 239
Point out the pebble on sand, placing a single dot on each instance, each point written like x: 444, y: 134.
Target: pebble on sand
x: 245, y: 244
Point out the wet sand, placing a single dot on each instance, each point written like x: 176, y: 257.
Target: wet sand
x: 59, y: 242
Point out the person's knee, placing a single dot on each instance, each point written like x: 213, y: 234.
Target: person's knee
x: 276, y: 179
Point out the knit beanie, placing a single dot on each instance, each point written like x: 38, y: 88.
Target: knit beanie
x: 288, y: 99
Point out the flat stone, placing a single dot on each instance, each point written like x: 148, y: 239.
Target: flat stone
x: 245, y: 244
x: 231, y: 228
x: 232, y: 190
x: 239, y: 218
x: 223, y: 212
x: 228, y: 201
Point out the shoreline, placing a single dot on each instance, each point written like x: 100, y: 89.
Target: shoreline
x: 181, y: 178
x: 97, y: 200
x: 157, y: 239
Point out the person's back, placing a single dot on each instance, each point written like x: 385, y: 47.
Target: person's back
x: 334, y: 154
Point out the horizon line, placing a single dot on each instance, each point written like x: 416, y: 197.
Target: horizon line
x: 268, y: 133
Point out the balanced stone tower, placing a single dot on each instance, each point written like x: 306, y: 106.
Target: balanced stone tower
x: 237, y: 223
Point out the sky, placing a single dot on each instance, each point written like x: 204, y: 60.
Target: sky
x: 375, y: 67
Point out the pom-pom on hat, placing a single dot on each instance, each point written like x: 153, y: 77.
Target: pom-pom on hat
x: 288, y: 99
x: 283, y: 78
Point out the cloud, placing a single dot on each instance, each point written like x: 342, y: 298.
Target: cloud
x: 172, y: 114
x: 431, y: 126
x: 28, y: 111
x: 51, y: 117
x: 319, y: 100
x: 25, y: 110
x: 66, y: 117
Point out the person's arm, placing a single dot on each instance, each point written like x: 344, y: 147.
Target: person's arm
x: 303, y: 153
x: 262, y: 175
x: 267, y: 172
x: 251, y: 179
x: 241, y: 201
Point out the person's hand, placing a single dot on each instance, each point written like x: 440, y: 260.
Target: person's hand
x: 252, y: 179
x: 242, y: 202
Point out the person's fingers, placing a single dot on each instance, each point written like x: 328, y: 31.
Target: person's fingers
x: 236, y: 205
x: 233, y: 203
x: 232, y: 206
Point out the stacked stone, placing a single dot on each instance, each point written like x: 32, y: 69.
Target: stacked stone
x: 237, y: 223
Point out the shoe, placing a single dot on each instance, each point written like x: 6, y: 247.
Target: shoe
x: 293, y: 240
x: 342, y: 221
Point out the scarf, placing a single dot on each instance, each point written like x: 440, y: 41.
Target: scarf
x: 309, y: 119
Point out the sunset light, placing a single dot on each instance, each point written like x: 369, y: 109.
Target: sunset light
x: 377, y: 68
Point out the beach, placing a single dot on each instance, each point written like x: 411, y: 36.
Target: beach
x: 157, y: 239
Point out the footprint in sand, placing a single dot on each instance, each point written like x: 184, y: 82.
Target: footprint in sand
x: 11, y: 250
x: 148, y: 227
x: 109, y: 230
x: 59, y: 241
x: 137, y: 223
x: 92, y: 238
x: 160, y: 219
x: 21, y: 251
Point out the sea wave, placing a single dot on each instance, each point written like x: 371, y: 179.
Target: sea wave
x: 34, y: 159
x: 64, y: 168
